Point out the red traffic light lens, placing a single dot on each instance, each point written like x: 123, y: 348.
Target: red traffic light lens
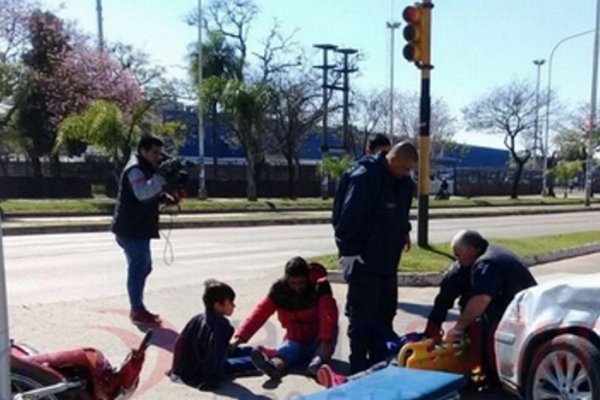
x: 411, y: 14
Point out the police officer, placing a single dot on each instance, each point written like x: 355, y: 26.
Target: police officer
x: 485, y: 279
x: 370, y: 219
x: 135, y: 221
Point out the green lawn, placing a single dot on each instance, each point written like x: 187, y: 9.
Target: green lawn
x: 439, y: 256
x: 101, y: 204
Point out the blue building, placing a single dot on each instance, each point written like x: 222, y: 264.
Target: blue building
x: 459, y: 156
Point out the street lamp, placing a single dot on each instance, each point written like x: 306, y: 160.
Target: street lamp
x: 201, y: 172
x: 549, y: 94
x: 4, y: 337
x: 100, y: 29
x: 392, y: 26
x: 592, y: 126
x: 539, y: 64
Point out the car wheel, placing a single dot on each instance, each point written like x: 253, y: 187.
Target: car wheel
x: 565, y: 368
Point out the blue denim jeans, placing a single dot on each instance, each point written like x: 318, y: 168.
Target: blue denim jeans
x: 239, y: 363
x: 139, y: 266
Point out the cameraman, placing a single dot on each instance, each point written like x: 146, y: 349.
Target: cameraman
x: 135, y: 221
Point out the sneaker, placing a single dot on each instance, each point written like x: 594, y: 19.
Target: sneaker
x: 262, y: 362
x: 144, y: 318
x: 327, y: 377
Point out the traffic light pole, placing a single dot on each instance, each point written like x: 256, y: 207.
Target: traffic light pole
x: 424, y: 129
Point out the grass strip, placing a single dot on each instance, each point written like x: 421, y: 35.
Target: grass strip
x: 101, y: 204
x: 438, y: 257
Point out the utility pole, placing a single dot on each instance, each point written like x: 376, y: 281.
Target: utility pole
x: 202, y: 195
x: 100, y: 29
x: 346, y: 70
x: 536, y: 135
x: 326, y: 67
x: 418, y: 50
x: 592, y: 126
x: 392, y: 26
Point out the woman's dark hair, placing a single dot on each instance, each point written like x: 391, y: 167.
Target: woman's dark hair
x: 216, y: 292
x: 296, y: 266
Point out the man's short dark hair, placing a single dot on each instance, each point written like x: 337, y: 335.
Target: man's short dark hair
x: 377, y: 141
x: 148, y: 141
x: 296, y: 266
x: 216, y: 292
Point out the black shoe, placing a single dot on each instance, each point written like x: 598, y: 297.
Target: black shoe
x: 263, y: 363
x: 313, y: 367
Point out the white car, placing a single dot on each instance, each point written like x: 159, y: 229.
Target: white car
x: 547, y: 344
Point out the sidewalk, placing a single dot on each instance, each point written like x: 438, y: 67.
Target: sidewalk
x: 17, y: 225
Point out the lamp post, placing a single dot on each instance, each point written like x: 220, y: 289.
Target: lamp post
x: 592, y: 126
x: 549, y: 99
x: 4, y: 337
x: 392, y: 26
x: 539, y: 64
x: 201, y: 171
x: 100, y: 29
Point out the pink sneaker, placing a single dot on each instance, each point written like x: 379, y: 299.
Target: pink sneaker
x: 328, y: 377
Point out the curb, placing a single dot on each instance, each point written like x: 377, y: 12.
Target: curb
x: 224, y: 223
x: 434, y: 279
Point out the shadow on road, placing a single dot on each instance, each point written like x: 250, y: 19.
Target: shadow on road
x: 236, y: 391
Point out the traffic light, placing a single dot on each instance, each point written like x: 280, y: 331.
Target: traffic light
x: 416, y: 33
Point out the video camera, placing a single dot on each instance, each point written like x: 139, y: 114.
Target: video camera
x: 174, y: 172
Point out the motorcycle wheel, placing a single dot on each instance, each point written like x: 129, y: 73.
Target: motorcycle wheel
x: 23, y: 381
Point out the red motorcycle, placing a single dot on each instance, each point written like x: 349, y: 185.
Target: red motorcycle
x: 73, y: 374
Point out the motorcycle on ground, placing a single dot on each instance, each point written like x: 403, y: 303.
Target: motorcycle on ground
x: 82, y: 373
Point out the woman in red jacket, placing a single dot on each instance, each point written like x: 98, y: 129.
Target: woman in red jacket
x: 307, y: 311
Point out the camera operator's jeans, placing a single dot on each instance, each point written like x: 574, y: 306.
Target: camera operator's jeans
x: 139, y: 266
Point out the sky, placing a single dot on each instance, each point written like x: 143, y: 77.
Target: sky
x: 476, y: 45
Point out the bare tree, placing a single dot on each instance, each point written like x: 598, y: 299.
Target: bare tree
x: 371, y: 111
x: 278, y: 55
x: 508, y: 110
x: 442, y: 125
x: 296, y: 110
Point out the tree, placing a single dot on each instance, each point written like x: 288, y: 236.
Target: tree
x: 104, y: 125
x: 442, y: 124
x: 371, y: 114
x: 510, y: 111
x: 232, y: 19
x: 564, y: 171
x: 572, y: 139
x: 245, y: 107
x: 64, y: 75
x: 219, y: 61
x: 296, y: 110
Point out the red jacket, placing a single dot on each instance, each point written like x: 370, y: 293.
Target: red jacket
x: 305, y: 319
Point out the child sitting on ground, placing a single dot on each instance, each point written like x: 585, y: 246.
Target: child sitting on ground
x: 202, y: 356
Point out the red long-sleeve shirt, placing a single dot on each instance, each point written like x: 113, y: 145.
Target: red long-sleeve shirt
x: 304, y: 320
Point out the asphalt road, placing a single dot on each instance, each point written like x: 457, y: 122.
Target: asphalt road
x: 63, y: 267
x: 68, y: 290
